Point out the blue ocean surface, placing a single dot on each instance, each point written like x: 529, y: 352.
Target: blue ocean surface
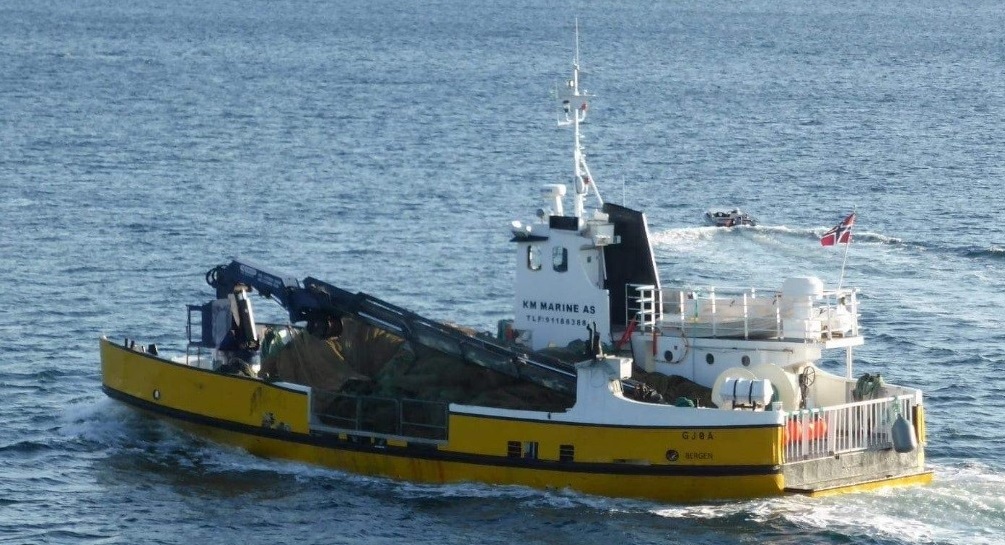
x: 385, y: 147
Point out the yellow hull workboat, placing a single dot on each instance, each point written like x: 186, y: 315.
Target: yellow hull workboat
x: 370, y: 388
x: 706, y: 394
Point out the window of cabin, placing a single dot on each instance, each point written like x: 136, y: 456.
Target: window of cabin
x: 560, y: 259
x: 566, y: 453
x: 534, y: 257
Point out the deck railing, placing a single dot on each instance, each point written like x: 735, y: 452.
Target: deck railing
x: 376, y: 416
x: 747, y: 313
x: 851, y: 427
x: 643, y: 304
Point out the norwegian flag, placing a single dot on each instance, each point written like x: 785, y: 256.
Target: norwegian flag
x: 840, y: 233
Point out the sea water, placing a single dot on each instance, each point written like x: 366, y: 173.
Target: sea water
x: 386, y: 146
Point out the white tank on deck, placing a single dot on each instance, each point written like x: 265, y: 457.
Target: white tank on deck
x: 801, y: 290
x: 798, y: 296
x: 744, y: 392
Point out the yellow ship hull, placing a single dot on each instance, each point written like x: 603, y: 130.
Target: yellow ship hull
x: 273, y: 420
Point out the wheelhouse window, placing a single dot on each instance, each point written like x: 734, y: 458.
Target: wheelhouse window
x: 560, y: 259
x: 534, y: 257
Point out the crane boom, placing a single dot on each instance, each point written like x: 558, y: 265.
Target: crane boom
x: 322, y: 305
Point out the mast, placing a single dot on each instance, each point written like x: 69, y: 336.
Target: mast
x: 575, y: 104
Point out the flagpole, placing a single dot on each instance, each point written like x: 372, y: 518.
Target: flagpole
x: 844, y: 261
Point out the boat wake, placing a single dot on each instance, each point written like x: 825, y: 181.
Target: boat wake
x: 691, y: 239
x: 958, y: 507
x: 138, y: 446
x: 995, y: 251
x: 687, y: 238
x: 681, y: 235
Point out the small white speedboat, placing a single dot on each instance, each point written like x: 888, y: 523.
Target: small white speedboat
x: 729, y: 218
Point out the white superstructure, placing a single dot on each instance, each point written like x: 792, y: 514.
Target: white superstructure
x: 589, y: 270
